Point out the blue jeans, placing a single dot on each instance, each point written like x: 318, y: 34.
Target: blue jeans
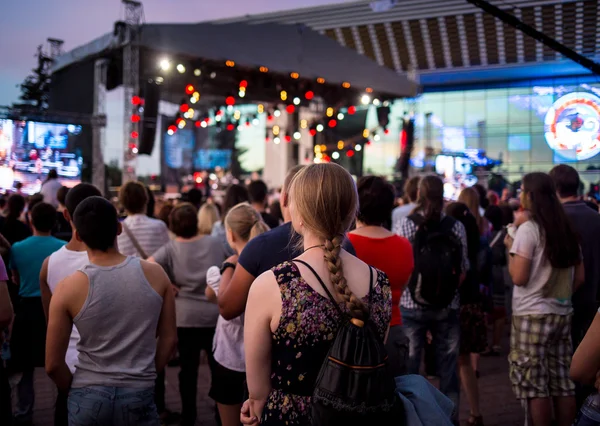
x: 111, y: 406
x: 590, y: 412
x: 445, y: 329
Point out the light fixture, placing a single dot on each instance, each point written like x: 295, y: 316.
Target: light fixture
x: 296, y: 101
x: 320, y: 127
x: 386, y: 103
x: 242, y: 94
x: 277, y: 113
x: 134, y: 150
x: 335, y: 155
x: 193, y: 100
x: 181, y: 124
x: 165, y: 64
x: 283, y: 95
x: 275, y: 130
x: 196, y: 95
x: 297, y: 135
x: 197, y: 72
x: 340, y: 145
x: 181, y: 68
x: 376, y: 137
x: 366, y: 133
x: 376, y: 102
x: 329, y: 112
x: 260, y: 108
x: 203, y: 124
x: 303, y: 124
x: 346, y: 85
x: 263, y: 69
x: 365, y: 99
x: 340, y: 116
x: 276, y: 141
x: 256, y: 121
x: 357, y: 148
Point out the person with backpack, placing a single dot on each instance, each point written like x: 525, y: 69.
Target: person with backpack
x: 431, y: 301
x: 312, y: 357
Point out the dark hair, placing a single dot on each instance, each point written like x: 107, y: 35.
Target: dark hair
x: 52, y: 174
x: 483, y: 200
x: 592, y: 205
x: 16, y: 205
x: 43, y: 217
x: 561, y: 244
x: 194, y: 196
x: 258, y: 191
x: 275, y: 210
x: 61, y: 195
x: 34, y: 200
x: 19, y: 185
x: 411, y: 188
x: 183, y: 220
x: 164, y: 212
x: 97, y: 223
x: 234, y: 195
x: 376, y: 199
x: 508, y: 214
x: 133, y: 197
x: 2, y: 202
x: 566, y: 180
x: 495, y: 216
x: 431, y: 198
x: 151, y: 202
x: 79, y: 193
x: 461, y: 212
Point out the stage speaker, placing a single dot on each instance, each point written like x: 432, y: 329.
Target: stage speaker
x: 148, y: 131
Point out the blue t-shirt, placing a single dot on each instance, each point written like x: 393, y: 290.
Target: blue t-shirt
x: 27, y: 258
x: 272, y: 248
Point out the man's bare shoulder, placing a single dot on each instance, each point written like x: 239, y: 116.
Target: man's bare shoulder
x: 156, y: 276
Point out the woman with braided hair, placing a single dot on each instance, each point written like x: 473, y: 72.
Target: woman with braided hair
x: 290, y: 320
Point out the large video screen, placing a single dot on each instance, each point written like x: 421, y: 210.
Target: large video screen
x: 30, y: 149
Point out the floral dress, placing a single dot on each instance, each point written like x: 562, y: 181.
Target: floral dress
x: 307, y: 327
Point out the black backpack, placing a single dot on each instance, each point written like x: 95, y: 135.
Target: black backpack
x: 354, y: 387
x: 438, y: 263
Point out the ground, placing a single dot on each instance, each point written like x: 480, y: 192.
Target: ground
x: 498, y: 404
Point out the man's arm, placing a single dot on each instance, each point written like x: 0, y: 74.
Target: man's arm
x: 60, y: 324
x: 44, y: 288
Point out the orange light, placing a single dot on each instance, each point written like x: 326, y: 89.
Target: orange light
x: 346, y: 85
x: 263, y: 69
x: 369, y: 90
x: 230, y: 64
x: 294, y: 75
x: 189, y: 89
x: 320, y: 80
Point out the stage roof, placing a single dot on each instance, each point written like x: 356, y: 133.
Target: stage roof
x: 282, y: 48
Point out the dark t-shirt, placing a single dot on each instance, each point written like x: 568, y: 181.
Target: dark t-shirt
x: 14, y: 230
x: 270, y: 220
x: 62, y: 229
x: 272, y: 248
x: 587, y: 224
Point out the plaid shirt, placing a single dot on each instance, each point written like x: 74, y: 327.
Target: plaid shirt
x: 408, y: 229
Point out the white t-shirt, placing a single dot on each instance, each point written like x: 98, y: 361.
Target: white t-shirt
x: 549, y: 289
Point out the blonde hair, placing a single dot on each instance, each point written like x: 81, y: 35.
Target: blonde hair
x: 326, y: 199
x: 207, y: 216
x: 245, y: 222
x: 470, y: 198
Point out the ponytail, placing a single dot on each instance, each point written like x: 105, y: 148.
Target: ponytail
x: 336, y: 274
x: 258, y: 228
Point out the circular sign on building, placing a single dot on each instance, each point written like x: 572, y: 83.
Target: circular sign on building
x: 572, y: 126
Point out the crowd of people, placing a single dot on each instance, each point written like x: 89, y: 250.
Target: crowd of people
x: 282, y: 297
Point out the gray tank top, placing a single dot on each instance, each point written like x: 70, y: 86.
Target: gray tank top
x: 117, y: 324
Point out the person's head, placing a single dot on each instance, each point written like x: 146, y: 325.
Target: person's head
x: 34, y: 200
x: 43, y: 218
x: 493, y: 198
x: 285, y: 192
x: 61, y: 195
x: 566, y: 180
x: 323, y: 205
x: 165, y: 212
x: 52, y: 174
x: 462, y: 213
x: 97, y: 224
x: 508, y: 214
x: 195, y: 197
x: 258, y: 192
x: 243, y: 223
x: 15, y: 206
x: 411, y: 189
x: 19, y: 186
x: 376, y: 200
x: 470, y: 198
x: 538, y: 196
x: 151, y: 202
x: 275, y: 210
x: 183, y: 220
x: 76, y: 195
x: 207, y: 217
x: 2, y: 202
x: 495, y: 216
x: 134, y: 198
x: 481, y: 191
x: 234, y: 195
x: 430, y: 198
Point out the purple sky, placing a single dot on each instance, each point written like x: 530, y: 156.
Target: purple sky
x: 27, y: 23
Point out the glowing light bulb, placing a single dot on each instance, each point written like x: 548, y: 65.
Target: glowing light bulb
x: 335, y: 155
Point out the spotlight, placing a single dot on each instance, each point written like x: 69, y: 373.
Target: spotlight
x: 165, y: 64
x: 365, y: 100
x: 296, y: 101
x: 335, y: 155
x: 197, y: 72
x: 180, y: 68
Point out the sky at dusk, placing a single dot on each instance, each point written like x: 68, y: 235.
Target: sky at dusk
x: 25, y: 24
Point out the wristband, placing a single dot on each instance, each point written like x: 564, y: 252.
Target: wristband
x: 227, y: 265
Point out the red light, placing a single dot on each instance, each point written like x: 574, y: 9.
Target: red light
x: 219, y: 112
x: 327, y: 159
x: 136, y: 100
x: 351, y: 110
x: 197, y: 123
x: 172, y: 128
x: 189, y: 89
x: 230, y: 127
x: 290, y: 109
x: 312, y: 132
x: 184, y: 108
x: 288, y: 138
x: 350, y: 153
x: 403, y: 140
x: 368, y: 142
x: 386, y: 131
x: 179, y: 120
x: 332, y: 123
x: 243, y: 84
x: 270, y: 117
x: 230, y: 100
x: 134, y: 135
x: 267, y: 139
x: 135, y: 118
x: 309, y: 95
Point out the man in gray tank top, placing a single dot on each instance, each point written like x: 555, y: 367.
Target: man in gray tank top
x: 120, y: 305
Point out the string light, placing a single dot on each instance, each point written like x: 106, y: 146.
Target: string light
x: 230, y: 64
x: 243, y: 84
x: 332, y: 123
x: 263, y: 69
x: 204, y: 124
x: 346, y: 85
x: 323, y: 147
x: 184, y: 108
x: 197, y: 72
x: 229, y: 100
x: 321, y: 80
x: 171, y: 130
x: 237, y: 114
x: 376, y: 138
x: 181, y: 124
x: 350, y: 153
x: 288, y: 138
x: 335, y: 155
x: 357, y: 148
x: 136, y: 100
x: 376, y: 102
x: 260, y: 108
x: 275, y: 130
x: 193, y: 100
x: 296, y: 101
x: 189, y: 89
x: 297, y: 135
x: 303, y: 124
x: 135, y: 118
x: 340, y: 145
x: 369, y: 90
x: 313, y: 132
x: 165, y: 65
x: 340, y: 116
x: 230, y: 127
x: 320, y: 127
x: 283, y: 95
x: 196, y: 96
x: 366, y: 133
x: 351, y: 110
x: 180, y: 68
x: 277, y: 113
x: 329, y: 112
x: 241, y: 94
x: 276, y: 141
x: 134, y: 135
x: 256, y: 121
x: 365, y: 99
x: 295, y: 75
x: 309, y: 95
x: 290, y: 109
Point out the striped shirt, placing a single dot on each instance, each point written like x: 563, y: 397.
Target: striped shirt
x: 408, y: 229
x: 151, y: 235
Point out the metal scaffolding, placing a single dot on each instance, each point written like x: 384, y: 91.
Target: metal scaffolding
x: 134, y: 13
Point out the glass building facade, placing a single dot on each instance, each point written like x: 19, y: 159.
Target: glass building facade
x: 529, y: 125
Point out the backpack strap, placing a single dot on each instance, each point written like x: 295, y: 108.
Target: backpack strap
x: 311, y: 269
x: 134, y: 241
